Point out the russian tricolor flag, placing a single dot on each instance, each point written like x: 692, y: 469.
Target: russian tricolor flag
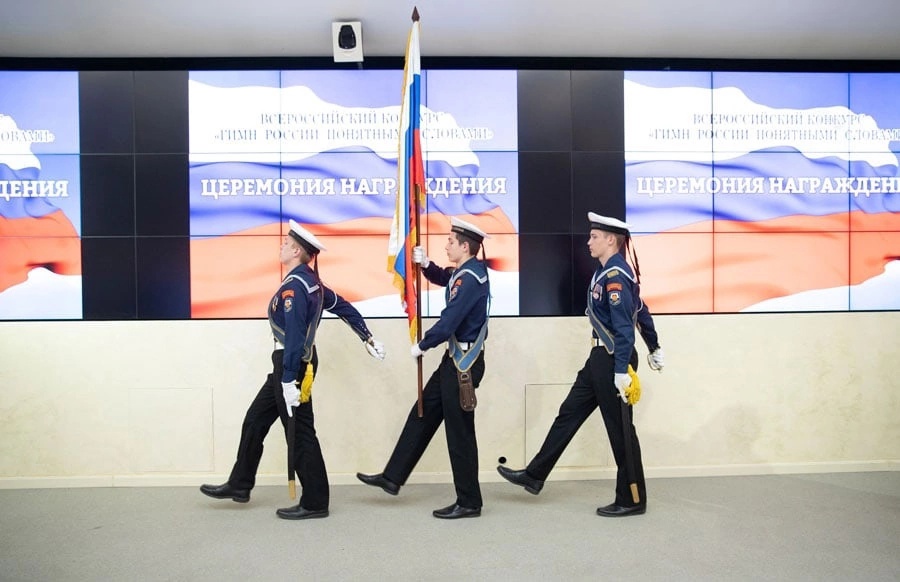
x: 410, y: 184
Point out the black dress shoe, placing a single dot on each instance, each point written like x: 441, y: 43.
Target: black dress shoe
x: 379, y: 480
x: 613, y: 510
x: 226, y: 491
x: 522, y: 478
x: 456, y: 511
x: 299, y: 512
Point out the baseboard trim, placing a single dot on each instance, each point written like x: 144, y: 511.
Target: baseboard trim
x: 486, y: 476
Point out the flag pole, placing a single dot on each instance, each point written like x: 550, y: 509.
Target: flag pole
x: 405, y: 228
x: 421, y: 406
x: 291, y: 435
x: 418, y: 193
x: 629, y: 453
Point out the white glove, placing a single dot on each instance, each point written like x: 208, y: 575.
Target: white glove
x: 291, y: 396
x: 415, y: 351
x: 375, y: 349
x: 655, y: 360
x: 623, y: 381
x: 418, y: 256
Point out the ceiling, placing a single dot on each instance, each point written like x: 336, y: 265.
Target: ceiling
x: 778, y: 29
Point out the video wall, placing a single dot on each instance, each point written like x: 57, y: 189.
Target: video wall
x: 765, y: 191
x: 165, y: 194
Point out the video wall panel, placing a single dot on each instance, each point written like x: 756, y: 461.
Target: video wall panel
x: 40, y: 201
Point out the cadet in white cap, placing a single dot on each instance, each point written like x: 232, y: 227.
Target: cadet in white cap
x: 294, y: 315
x: 614, y: 307
x: 449, y: 395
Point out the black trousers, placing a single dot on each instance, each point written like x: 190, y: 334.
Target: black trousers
x: 440, y: 403
x: 594, y: 387
x: 264, y: 410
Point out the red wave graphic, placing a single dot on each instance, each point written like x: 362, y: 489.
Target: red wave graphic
x: 235, y: 275
x: 48, y: 241
x: 743, y: 263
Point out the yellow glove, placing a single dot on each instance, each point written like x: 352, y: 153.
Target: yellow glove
x: 306, y: 384
x: 632, y: 393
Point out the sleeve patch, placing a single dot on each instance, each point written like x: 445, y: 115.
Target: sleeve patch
x: 288, y: 304
x: 614, y: 287
x: 615, y: 298
x: 287, y: 293
x: 455, y: 289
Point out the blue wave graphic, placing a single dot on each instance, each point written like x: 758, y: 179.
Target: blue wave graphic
x: 23, y: 207
x: 878, y: 202
x: 667, y: 211
x: 227, y: 214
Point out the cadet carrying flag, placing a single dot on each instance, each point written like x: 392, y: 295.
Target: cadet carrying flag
x: 410, y: 184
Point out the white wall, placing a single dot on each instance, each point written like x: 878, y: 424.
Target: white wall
x: 800, y: 29
x: 161, y: 403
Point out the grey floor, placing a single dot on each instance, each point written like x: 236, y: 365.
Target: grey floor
x: 843, y: 526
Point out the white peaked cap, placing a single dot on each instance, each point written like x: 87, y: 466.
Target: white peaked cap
x: 467, y: 228
x: 608, y: 224
x: 305, y: 238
